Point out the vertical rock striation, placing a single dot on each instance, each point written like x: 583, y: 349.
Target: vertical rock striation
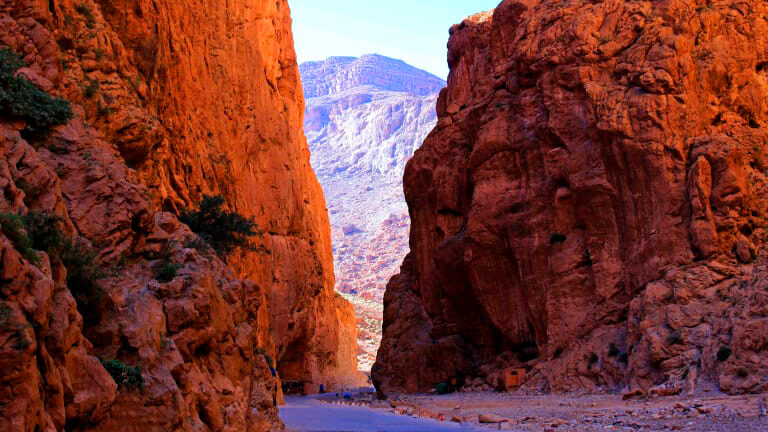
x: 171, y: 101
x: 591, y: 204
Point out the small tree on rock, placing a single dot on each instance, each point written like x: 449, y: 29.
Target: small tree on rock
x: 224, y: 231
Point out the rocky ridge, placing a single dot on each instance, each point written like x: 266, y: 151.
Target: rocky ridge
x: 163, y: 115
x: 591, y: 205
x: 364, y: 118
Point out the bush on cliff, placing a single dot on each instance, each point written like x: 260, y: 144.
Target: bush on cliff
x: 167, y: 271
x: 224, y: 231
x: 20, y: 98
x: 125, y: 376
x: 12, y: 225
x: 44, y: 233
x: 724, y: 353
x: 83, y: 274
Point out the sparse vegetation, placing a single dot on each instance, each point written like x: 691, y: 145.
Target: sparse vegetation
x: 167, y: 271
x: 674, y: 338
x: 91, y: 89
x: 104, y: 110
x: 87, y: 13
x: 83, y: 274
x: 12, y: 226
x: 557, y: 238
x: 442, y: 388
x: 40, y: 231
x: 44, y: 233
x: 742, y: 372
x: 224, y: 231
x: 21, y: 341
x: 20, y: 98
x: 5, y: 314
x: 613, y: 350
x: 724, y: 353
x: 592, y: 360
x: 125, y: 376
x: 624, y: 358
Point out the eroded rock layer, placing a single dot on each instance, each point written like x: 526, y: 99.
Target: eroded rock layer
x: 171, y: 101
x: 591, y: 204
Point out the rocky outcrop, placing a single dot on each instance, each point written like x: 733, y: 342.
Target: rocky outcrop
x: 166, y: 109
x: 591, y: 204
x: 195, y: 337
x: 364, y: 119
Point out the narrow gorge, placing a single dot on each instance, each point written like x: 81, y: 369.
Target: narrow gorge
x: 196, y: 230
x: 364, y: 119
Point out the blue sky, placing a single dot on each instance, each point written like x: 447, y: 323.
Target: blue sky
x: 415, y: 31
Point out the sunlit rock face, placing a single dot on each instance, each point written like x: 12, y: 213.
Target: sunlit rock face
x: 364, y: 119
x: 591, y: 205
x: 171, y: 100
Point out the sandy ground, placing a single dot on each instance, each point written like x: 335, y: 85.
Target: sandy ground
x: 708, y: 413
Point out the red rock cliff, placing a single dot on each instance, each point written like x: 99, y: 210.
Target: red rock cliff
x: 591, y: 204
x: 171, y: 101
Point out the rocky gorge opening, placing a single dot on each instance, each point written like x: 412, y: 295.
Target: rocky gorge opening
x: 586, y: 216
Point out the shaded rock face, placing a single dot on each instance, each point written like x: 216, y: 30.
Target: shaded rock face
x: 166, y: 109
x: 591, y: 203
x: 364, y: 119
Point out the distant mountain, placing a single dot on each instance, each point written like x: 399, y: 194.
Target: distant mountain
x: 364, y: 119
x: 338, y: 74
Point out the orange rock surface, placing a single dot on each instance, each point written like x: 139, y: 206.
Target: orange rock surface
x: 592, y: 203
x: 171, y: 101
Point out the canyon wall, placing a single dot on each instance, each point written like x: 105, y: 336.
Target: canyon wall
x: 364, y: 119
x: 171, y: 102
x: 591, y: 205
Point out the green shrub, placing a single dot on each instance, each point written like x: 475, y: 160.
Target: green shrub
x: 5, y: 314
x: 442, y: 388
x: 44, y: 233
x: 20, y: 98
x: 724, y: 353
x: 557, y: 238
x: 83, y: 274
x: 85, y: 10
x: 12, y: 226
x: 674, y: 338
x: 592, y: 360
x: 125, y: 376
x: 224, y: 231
x: 167, y: 271
x: 104, y: 110
x: 613, y: 350
x: 91, y: 89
